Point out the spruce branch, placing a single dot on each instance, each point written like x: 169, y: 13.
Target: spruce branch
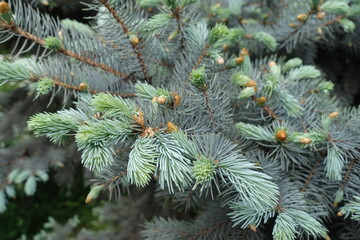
x: 127, y: 32
x: 142, y: 161
x: 17, y: 30
x: 298, y: 29
x: 334, y: 163
x: 57, y: 126
x: 311, y: 173
x: 59, y: 83
x: 179, y: 133
x: 209, y: 109
x: 347, y: 174
x: 353, y: 208
x: 268, y: 110
x: 176, y: 15
x: 207, y: 231
x: 202, y: 56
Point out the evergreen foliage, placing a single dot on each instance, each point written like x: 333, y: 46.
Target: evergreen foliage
x: 188, y: 96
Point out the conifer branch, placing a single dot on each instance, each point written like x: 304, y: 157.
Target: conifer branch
x: 202, y: 56
x: 223, y: 69
x: 176, y: 15
x: 209, y: 229
x: 272, y: 114
x: 308, y: 180
x: 209, y: 110
x: 346, y: 177
x: 69, y: 53
x: 269, y: 111
x: 113, y: 179
x: 335, y: 20
x: 126, y: 31
x: 303, y: 23
x: 332, y: 21
x: 11, y: 163
x: 69, y: 86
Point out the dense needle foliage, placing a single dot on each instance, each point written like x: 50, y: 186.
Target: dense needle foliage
x: 213, y: 107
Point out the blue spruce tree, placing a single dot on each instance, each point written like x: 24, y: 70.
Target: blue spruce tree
x: 215, y: 107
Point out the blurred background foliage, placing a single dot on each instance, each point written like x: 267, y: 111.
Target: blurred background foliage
x: 63, y: 195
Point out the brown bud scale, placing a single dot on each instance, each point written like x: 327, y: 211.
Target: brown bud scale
x: 161, y: 100
x: 281, y: 135
x: 149, y: 131
x: 251, y: 83
x: 244, y: 52
x: 239, y: 60
x: 134, y: 40
x: 261, y: 100
x: 4, y: 7
x: 220, y: 61
x: 302, y: 17
x: 333, y: 115
x: 83, y: 86
x: 89, y: 199
x: 171, y: 127
x: 272, y: 64
x: 305, y: 140
x: 252, y: 227
x: 139, y: 117
x: 321, y: 15
x: 339, y: 214
x: 176, y: 99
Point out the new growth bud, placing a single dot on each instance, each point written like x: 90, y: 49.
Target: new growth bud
x: 321, y: 15
x: 4, y: 7
x: 176, y: 99
x: 302, y: 17
x: 239, y: 60
x: 5, y: 12
x: 252, y: 228
x: 139, y: 118
x: 83, y: 86
x: 52, y: 43
x: 281, y: 135
x: 217, y: 32
x: 170, y: 127
x: 161, y: 100
x: 198, y: 77
x: 220, y: 61
x: 244, y: 52
x: 261, y: 101
x: 251, y: 83
x: 305, y: 140
x: 272, y: 64
x: 333, y: 115
x: 134, y: 39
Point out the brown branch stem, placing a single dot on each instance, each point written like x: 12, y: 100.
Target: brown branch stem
x: 298, y: 28
x: 126, y: 31
x: 66, y: 52
x: 272, y: 114
x: 69, y: 86
x: 176, y: 15
x: 269, y: 111
x: 211, y: 115
x: 346, y: 177
x: 207, y: 230
x: 202, y: 56
x: 308, y: 180
x: 113, y: 179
